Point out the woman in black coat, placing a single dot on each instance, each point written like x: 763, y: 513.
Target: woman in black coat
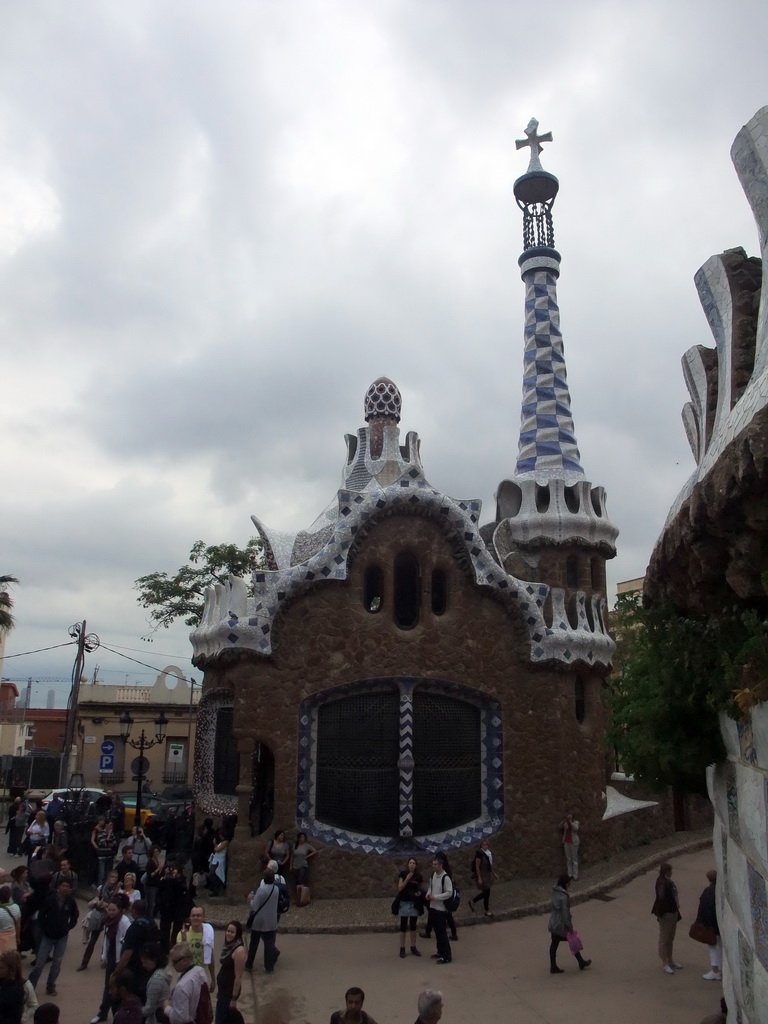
x: 707, y: 915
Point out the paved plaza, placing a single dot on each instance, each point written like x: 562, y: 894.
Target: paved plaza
x: 500, y: 972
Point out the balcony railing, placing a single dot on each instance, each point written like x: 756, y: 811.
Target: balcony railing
x: 111, y: 778
x: 174, y: 778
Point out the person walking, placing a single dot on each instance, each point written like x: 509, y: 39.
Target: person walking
x: 16, y: 827
x: 58, y: 916
x: 666, y: 909
x: 707, y: 918
x: 38, y: 834
x: 263, y: 924
x: 104, y: 843
x: 153, y: 874
x: 484, y: 875
x: 410, y: 903
x: 11, y: 988
x: 561, y: 925
x: 570, y: 830
x: 217, y: 874
x: 230, y: 976
x: 94, y: 919
x: 200, y: 938
x: 159, y: 975
x: 439, y: 890
x: 181, y: 1008
x: 172, y: 902
x: 10, y: 921
x: 124, y: 990
x: 353, y: 1013
x: 116, y: 924
x: 301, y: 854
x: 430, y: 1006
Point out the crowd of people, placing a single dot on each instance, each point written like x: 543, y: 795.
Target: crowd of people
x: 145, y: 915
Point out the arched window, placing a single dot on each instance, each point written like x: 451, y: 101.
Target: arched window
x: 407, y: 595
x: 439, y: 592
x: 580, y: 699
x: 373, y: 589
x: 384, y: 761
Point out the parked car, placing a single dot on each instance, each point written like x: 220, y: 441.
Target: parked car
x: 155, y: 823
x: 129, y: 801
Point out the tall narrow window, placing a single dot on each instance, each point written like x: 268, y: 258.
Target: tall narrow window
x: 373, y: 596
x: 226, y: 761
x: 407, y: 590
x: 572, y: 572
x: 439, y: 592
x: 580, y: 699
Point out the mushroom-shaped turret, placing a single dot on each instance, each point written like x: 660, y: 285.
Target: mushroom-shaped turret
x: 383, y: 403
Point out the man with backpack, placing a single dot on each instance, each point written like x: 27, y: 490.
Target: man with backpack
x: 264, y: 904
x: 141, y: 930
x: 439, y: 892
x: 190, y: 1002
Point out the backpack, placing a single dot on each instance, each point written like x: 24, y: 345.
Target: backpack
x: 453, y: 901
x: 283, y: 899
x: 204, y: 1011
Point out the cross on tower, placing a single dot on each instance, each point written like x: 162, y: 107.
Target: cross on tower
x: 534, y: 141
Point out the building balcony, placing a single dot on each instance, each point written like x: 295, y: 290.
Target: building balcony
x: 108, y: 779
x: 178, y: 778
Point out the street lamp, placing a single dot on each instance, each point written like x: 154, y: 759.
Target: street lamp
x: 140, y: 765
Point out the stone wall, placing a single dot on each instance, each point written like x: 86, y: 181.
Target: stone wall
x: 713, y: 553
x: 739, y: 792
x: 326, y: 638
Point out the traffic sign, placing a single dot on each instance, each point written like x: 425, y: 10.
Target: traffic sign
x: 108, y: 747
x: 140, y: 766
x: 106, y: 763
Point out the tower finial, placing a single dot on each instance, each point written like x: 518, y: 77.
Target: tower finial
x: 534, y: 140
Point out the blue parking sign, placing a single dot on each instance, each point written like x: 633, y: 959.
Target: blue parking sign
x: 107, y: 763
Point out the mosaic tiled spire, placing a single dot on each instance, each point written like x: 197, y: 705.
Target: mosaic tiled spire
x: 547, y: 445
x: 548, y: 502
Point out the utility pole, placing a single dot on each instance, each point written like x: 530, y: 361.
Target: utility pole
x: 86, y: 642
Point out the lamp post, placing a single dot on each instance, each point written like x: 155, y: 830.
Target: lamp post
x: 140, y: 764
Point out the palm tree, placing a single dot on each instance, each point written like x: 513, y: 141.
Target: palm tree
x: 6, y: 602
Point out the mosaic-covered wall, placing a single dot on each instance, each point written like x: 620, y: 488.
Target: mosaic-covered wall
x: 739, y: 792
x: 713, y: 553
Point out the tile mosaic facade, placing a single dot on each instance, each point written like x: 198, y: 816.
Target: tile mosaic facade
x: 727, y: 392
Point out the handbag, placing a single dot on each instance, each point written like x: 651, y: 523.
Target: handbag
x: 396, y: 905
x: 701, y: 932
x: 574, y: 942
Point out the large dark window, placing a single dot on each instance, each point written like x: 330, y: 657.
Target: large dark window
x: 446, y: 750
x: 358, y: 741
x: 226, y: 761
x: 399, y: 761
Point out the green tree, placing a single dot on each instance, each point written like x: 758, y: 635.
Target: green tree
x: 181, y: 596
x: 6, y: 602
x: 675, y: 675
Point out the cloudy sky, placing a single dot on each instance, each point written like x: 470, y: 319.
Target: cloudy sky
x: 220, y: 222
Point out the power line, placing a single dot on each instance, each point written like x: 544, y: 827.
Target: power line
x: 136, y: 660
x: 39, y: 650
x: 137, y: 650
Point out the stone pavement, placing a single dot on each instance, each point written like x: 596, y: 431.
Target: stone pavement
x: 500, y: 971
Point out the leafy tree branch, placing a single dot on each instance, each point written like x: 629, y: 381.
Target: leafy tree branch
x: 181, y: 595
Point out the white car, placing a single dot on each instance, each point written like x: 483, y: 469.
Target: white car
x: 92, y: 794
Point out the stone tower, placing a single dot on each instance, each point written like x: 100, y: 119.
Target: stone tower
x: 552, y: 522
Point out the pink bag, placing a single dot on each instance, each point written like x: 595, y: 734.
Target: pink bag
x: 574, y: 942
